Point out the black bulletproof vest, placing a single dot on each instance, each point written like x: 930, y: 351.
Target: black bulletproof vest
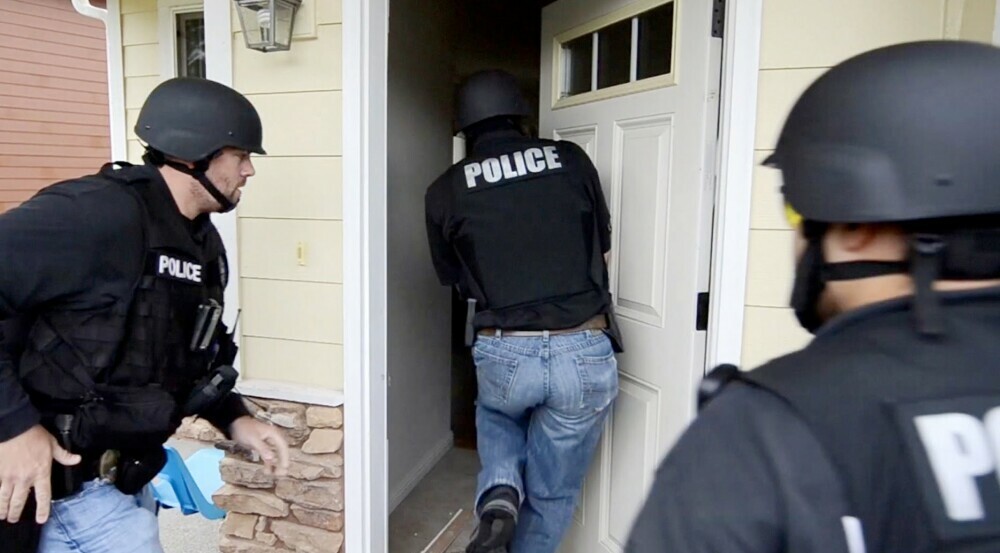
x: 524, y: 226
x: 140, y: 344
x: 908, y: 422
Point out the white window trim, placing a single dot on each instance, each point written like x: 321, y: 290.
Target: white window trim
x: 167, y: 32
x: 591, y: 27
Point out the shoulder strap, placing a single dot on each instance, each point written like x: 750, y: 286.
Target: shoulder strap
x: 715, y: 382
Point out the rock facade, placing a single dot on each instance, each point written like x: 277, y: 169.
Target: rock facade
x: 300, y: 512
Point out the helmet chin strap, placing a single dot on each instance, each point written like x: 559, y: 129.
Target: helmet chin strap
x: 198, y: 173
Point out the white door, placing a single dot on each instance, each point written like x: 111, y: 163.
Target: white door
x: 635, y: 82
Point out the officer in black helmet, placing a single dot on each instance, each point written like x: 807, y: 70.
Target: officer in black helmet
x: 111, y: 297
x: 522, y: 228
x: 883, y: 434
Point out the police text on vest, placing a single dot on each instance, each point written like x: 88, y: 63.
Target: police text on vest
x: 513, y: 165
x: 179, y: 269
x: 961, y: 448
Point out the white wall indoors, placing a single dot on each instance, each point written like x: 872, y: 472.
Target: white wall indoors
x: 419, y: 326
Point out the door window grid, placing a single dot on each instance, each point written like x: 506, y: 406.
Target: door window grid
x: 647, y: 39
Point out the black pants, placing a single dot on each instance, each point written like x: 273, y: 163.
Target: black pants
x: 22, y: 537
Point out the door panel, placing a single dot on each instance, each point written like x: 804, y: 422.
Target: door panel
x: 641, y: 164
x: 652, y: 141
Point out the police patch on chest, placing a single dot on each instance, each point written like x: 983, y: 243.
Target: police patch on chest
x: 177, y: 268
x: 954, y: 446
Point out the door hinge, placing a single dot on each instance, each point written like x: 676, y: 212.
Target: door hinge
x: 701, y: 319
x: 718, y: 18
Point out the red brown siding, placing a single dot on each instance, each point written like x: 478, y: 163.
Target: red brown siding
x: 53, y: 96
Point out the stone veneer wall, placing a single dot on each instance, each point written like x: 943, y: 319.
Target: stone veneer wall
x: 301, y: 512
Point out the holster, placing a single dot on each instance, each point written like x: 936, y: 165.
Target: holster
x: 22, y: 537
x: 614, y: 333
x: 130, y: 471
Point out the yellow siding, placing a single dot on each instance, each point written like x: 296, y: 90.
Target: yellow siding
x: 977, y: 20
x: 284, y: 188
x: 293, y: 313
x: 141, y: 55
x: 292, y: 304
x: 322, y: 364
x: 800, y: 40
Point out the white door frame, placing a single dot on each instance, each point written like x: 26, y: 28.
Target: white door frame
x: 366, y: 474
x: 365, y: 50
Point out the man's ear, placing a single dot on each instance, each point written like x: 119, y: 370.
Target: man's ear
x: 858, y: 236
x: 846, y: 242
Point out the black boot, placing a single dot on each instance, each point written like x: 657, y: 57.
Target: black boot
x: 497, y: 519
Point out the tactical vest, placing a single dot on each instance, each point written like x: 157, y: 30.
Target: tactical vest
x: 911, y: 424
x: 525, y: 230
x: 123, y: 369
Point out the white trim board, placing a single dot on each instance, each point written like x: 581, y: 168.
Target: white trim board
x: 996, y: 24
x: 272, y: 389
x: 366, y: 475
x: 219, y: 68
x: 737, y: 128
x: 420, y: 470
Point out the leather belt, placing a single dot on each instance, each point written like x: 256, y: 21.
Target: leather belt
x: 597, y: 322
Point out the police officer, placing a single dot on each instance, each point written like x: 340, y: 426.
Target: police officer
x: 111, y: 291
x: 522, y: 228
x: 883, y: 434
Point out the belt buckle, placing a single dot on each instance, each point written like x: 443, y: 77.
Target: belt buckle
x: 107, y: 468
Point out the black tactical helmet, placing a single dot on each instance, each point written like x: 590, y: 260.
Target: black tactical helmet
x: 904, y: 133
x: 190, y: 119
x: 489, y: 94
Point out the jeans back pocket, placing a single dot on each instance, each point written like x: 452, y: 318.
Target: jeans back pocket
x: 598, y: 380
x: 495, y: 374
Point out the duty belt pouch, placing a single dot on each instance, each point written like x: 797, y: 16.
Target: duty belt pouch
x: 137, y: 468
x: 112, y: 416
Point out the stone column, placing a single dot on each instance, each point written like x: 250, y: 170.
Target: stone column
x: 301, y: 512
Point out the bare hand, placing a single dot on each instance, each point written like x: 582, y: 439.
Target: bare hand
x: 265, y: 439
x: 25, y: 463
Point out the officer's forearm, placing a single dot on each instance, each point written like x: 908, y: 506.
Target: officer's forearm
x: 226, y: 411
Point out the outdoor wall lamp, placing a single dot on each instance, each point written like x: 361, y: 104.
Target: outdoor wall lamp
x: 267, y: 24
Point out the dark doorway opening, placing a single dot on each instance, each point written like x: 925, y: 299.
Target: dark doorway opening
x: 433, y: 47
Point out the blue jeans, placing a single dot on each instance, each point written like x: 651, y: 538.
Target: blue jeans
x: 540, y: 412
x: 101, y: 519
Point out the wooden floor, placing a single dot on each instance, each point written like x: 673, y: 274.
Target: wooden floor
x: 455, y: 536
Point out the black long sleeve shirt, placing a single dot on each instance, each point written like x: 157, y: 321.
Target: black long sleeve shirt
x: 76, y: 245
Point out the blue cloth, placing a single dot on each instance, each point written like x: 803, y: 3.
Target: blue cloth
x: 540, y: 413
x: 189, y: 484
x: 101, y: 519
